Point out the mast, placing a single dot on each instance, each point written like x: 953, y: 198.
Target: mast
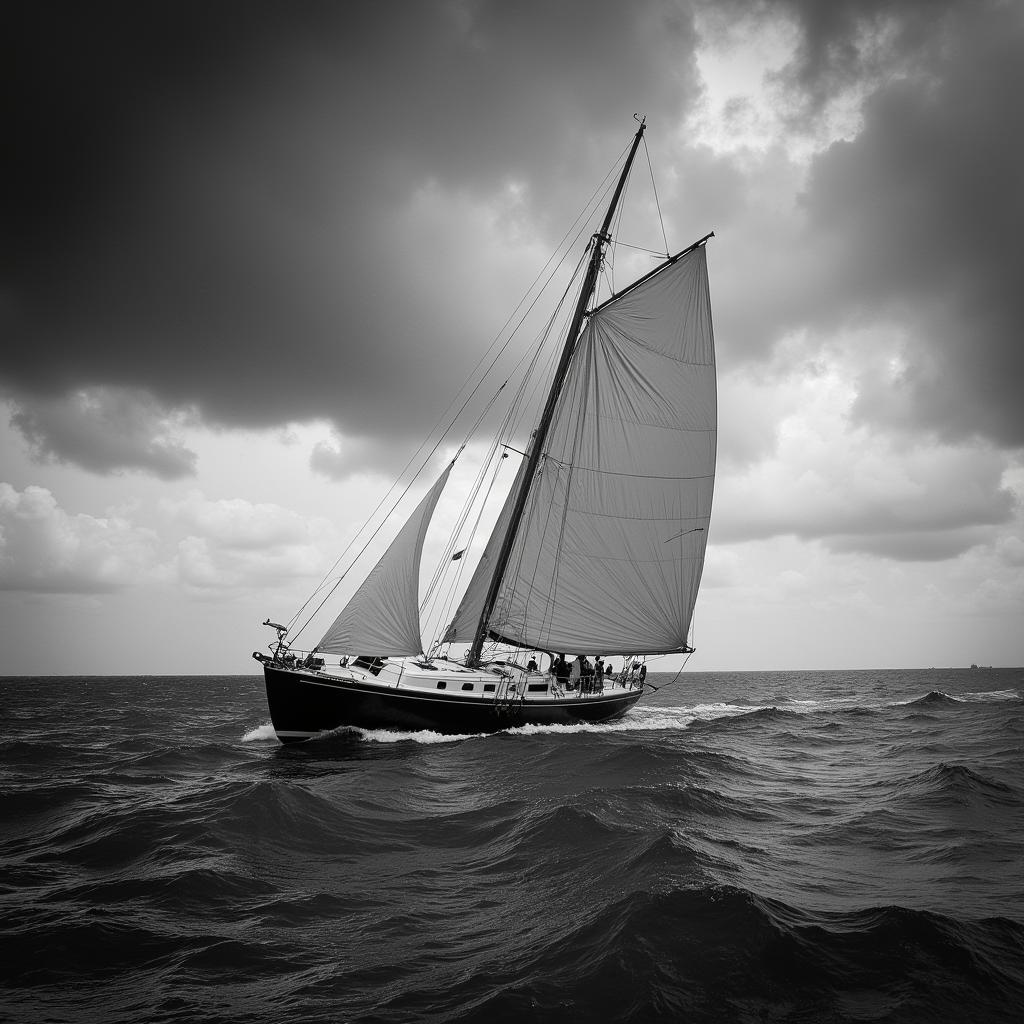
x: 599, y: 243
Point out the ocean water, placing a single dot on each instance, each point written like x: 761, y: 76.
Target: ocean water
x: 809, y: 846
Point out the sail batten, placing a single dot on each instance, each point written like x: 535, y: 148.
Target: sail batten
x: 382, y: 616
x: 610, y: 547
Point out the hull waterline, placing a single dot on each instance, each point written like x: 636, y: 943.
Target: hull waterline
x: 302, y: 705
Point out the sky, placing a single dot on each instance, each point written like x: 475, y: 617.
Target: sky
x: 249, y: 252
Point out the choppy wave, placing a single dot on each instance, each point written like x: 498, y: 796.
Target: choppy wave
x: 723, y: 953
x: 958, y: 782
x: 935, y: 698
x: 819, y: 848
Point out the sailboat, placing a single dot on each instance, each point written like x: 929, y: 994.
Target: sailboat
x: 597, y: 552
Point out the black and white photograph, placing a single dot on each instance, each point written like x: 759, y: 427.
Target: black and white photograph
x: 512, y: 511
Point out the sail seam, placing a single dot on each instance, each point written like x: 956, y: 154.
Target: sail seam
x: 623, y: 337
x: 626, y: 558
x: 637, y: 519
x: 656, y: 426
x: 637, y: 476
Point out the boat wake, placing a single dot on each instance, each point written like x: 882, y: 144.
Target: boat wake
x: 260, y: 732
x: 640, y: 719
x: 652, y: 718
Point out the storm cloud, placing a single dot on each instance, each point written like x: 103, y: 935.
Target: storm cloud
x: 222, y: 205
x: 261, y: 213
x: 922, y: 214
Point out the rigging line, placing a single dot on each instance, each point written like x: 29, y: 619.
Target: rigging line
x: 657, y: 201
x: 518, y: 409
x: 361, y: 551
x: 433, y: 450
x: 527, y: 312
x: 369, y: 519
x: 674, y: 679
x: 508, y: 341
x: 507, y: 429
x: 548, y: 598
x: 583, y: 217
x: 380, y: 504
x: 380, y: 526
x: 511, y: 579
x: 581, y: 355
x: 610, y: 253
x: 449, y: 548
x: 514, y: 578
x: 446, y: 608
x: 584, y: 357
x: 489, y: 459
x: 642, y: 248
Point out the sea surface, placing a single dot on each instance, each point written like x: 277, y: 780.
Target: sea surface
x: 806, y: 846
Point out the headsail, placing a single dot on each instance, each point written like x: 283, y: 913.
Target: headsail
x: 382, y: 617
x: 610, y: 549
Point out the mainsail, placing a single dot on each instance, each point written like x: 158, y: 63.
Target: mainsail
x: 382, y: 616
x: 609, y: 552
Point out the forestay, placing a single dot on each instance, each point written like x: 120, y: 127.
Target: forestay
x: 382, y: 616
x: 610, y: 550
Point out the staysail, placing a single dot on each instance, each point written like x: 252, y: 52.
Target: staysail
x: 610, y: 549
x: 382, y: 616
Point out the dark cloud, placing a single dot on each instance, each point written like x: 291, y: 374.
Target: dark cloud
x: 207, y: 199
x: 914, y: 225
x: 918, y: 221
x: 924, y: 215
x: 105, y: 431
x: 847, y: 43
x: 269, y: 212
x: 841, y: 44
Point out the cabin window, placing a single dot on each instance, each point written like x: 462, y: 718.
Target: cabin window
x: 538, y: 687
x: 443, y: 685
x: 467, y: 686
x: 488, y: 687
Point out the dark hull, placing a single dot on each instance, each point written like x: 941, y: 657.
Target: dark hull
x: 304, y: 705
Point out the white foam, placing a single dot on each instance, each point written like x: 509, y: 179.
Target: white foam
x: 261, y: 732
x: 641, y: 719
x: 394, y: 736
x: 992, y: 695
